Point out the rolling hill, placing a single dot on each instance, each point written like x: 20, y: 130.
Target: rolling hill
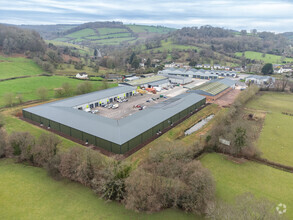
x: 109, y: 33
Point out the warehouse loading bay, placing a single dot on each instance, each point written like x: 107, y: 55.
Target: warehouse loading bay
x: 135, y: 103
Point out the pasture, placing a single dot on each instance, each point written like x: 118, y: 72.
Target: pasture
x: 275, y: 141
x: 150, y: 29
x: 18, y: 66
x: 27, y: 192
x: 268, y: 58
x: 233, y: 178
x: 28, y: 86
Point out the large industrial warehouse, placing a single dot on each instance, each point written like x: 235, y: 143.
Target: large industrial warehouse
x: 117, y: 136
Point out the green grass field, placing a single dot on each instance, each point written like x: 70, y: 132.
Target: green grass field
x: 106, y: 31
x: 151, y: 29
x: 81, y: 33
x: 233, y: 179
x: 113, y: 41
x: 18, y: 66
x: 275, y: 140
x: 28, y: 86
x: 169, y: 45
x: 28, y: 193
x: 269, y: 58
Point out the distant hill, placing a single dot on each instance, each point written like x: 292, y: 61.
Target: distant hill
x: 98, y: 33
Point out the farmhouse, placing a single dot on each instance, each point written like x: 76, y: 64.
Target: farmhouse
x: 260, y: 80
x: 117, y: 136
x: 82, y: 75
x: 214, y: 89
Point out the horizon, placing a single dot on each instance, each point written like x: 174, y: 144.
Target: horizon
x: 228, y: 14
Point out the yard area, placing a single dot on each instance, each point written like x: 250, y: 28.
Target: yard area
x: 27, y: 192
x: 18, y: 66
x: 275, y: 141
x: 233, y: 179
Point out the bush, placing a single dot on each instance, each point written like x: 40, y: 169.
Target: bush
x: 83, y: 88
x: 2, y: 121
x: 111, y: 182
x: 21, y: 144
x: 45, y: 149
x: 168, y: 180
x: 42, y: 92
x: 81, y: 165
x: 52, y: 166
x: 8, y: 98
x: 3, y: 142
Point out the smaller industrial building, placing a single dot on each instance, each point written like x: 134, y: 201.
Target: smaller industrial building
x: 148, y: 82
x: 198, y: 73
x: 214, y: 89
x: 178, y: 79
x: 260, y: 80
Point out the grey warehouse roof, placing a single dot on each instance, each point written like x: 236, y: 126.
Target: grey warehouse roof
x: 116, y: 131
x: 93, y: 96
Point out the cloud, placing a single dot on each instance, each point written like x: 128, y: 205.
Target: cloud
x: 271, y: 15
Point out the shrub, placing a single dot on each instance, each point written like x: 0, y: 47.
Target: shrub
x: 3, y: 142
x: 168, y: 180
x: 2, y: 121
x: 42, y: 92
x: 81, y: 165
x: 84, y: 87
x: 144, y: 191
x: 111, y: 182
x: 52, y: 166
x: 45, y: 149
x: 21, y: 144
x: 8, y: 98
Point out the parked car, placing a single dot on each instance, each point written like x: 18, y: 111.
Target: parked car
x: 103, y: 105
x: 138, y: 106
x: 95, y: 111
x: 115, y: 106
x: 125, y: 100
x: 110, y: 106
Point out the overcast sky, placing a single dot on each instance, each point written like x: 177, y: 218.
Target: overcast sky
x: 263, y: 15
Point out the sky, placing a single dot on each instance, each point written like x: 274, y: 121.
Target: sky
x: 276, y: 16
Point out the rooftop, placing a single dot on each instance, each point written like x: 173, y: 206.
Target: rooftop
x: 146, y: 80
x: 116, y: 131
x: 213, y: 87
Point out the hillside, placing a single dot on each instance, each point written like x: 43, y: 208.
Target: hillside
x: 266, y: 58
x: 105, y: 33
